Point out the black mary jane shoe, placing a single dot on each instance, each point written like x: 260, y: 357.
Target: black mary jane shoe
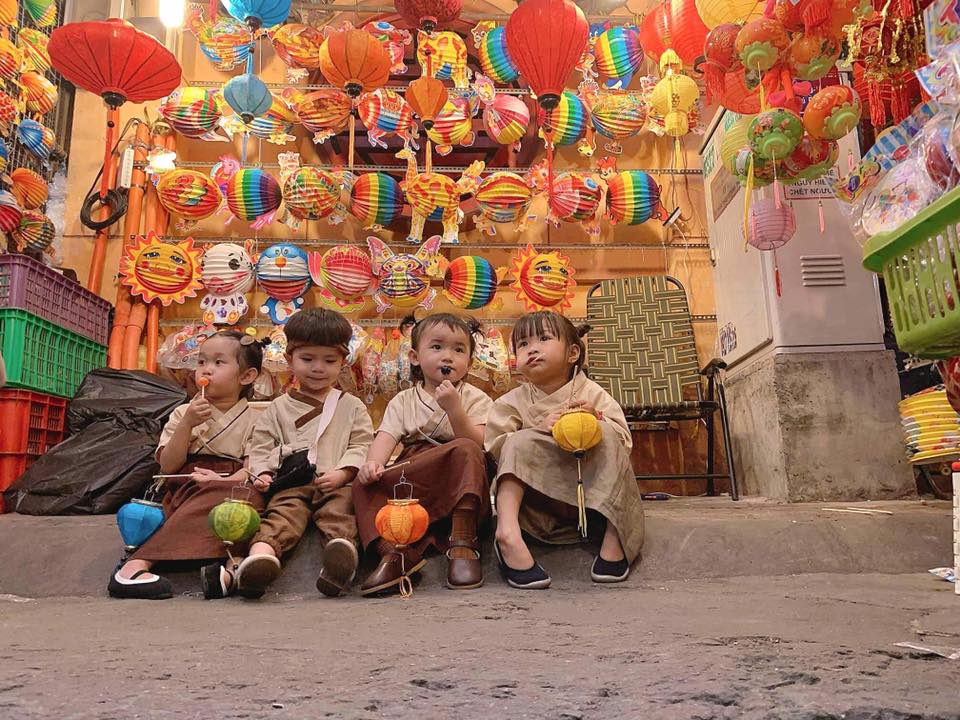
x: 217, y: 582
x: 159, y: 589
x: 533, y: 578
x: 607, y: 571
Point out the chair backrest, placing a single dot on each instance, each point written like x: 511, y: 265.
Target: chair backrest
x: 641, y: 346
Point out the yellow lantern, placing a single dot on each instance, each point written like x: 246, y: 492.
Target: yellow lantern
x: 674, y: 96
x: 576, y: 432
x: 735, y: 140
x: 718, y: 12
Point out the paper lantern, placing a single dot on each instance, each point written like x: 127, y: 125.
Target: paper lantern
x: 258, y: 13
x: 298, y: 45
x: 8, y: 13
x: 811, y: 159
x: 192, y: 111
x: 673, y: 98
x: 394, y: 40
x: 41, y: 12
x: 29, y: 188
x: 577, y: 432
x: 735, y: 139
x: 189, y: 193
x: 275, y: 125
x: 812, y: 56
x: 283, y: 271
x: 41, y: 94
x: 345, y: 271
x: 619, y: 115
x: 137, y: 521
x: 717, y: 12
x: 575, y: 197
x: 226, y: 271
x: 687, y: 31
x: 735, y: 95
x: 10, y: 212
x: 503, y: 197
x: 158, y: 270
x: 33, y: 44
x: 8, y: 113
x: 376, y: 200
x: 832, y: 112
x: 546, y: 39
x: 234, y: 520
x: 384, y: 113
x: 427, y: 96
x: 402, y: 280
x: 354, y: 61
x: 225, y: 41
x: 506, y: 119
x: 618, y: 55
x: 252, y: 193
x: 322, y: 112
x: 248, y: 96
x: 775, y: 133
x: 495, y: 60
x: 721, y: 57
x: 311, y: 193
x: 760, y: 43
x: 453, y: 126
x: 769, y: 226
x: 36, y: 138
x: 428, y: 14
x: 402, y: 522
x: 568, y: 120
x: 443, y: 55
x: 655, y: 31
x: 470, y: 282
x: 4, y: 155
x: 633, y: 197
x: 35, y: 231
x: 543, y: 280
x: 429, y: 192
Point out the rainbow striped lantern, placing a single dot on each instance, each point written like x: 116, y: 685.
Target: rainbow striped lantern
x: 470, y: 282
x: 503, y: 197
x: 43, y: 13
x: 376, y: 200
x: 42, y: 95
x: 575, y: 198
x: 33, y: 43
x: 193, y: 112
x: 226, y: 42
x: 252, y: 193
x: 452, y: 126
x: 506, y: 120
x: 344, y: 273
x: 310, y: 193
x: 191, y: 194
x: 35, y: 231
x: 11, y: 59
x: 633, y: 197
x: 10, y: 212
x: 284, y: 274
x: 322, y: 112
x: 568, y: 120
x: 771, y: 227
x: 275, y: 125
x: 29, y: 188
x: 495, y: 60
x: 618, y: 55
x: 384, y: 113
x: 618, y: 116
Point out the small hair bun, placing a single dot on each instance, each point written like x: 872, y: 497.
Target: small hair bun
x: 583, y: 329
x: 472, y: 323
x: 265, y: 342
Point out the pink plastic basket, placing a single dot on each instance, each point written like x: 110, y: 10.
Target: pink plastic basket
x: 30, y: 285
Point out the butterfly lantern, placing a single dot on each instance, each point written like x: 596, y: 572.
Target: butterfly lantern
x: 402, y: 281
x: 227, y: 272
x: 283, y: 272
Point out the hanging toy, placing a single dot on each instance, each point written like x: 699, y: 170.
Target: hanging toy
x: 226, y: 42
x: 443, y: 55
x: 253, y: 195
x: 575, y: 198
x: 385, y: 113
x: 832, y: 113
x: 633, y: 197
x: 813, y: 55
x: 452, y: 126
x: 283, y: 272
x: 618, y: 116
x: 158, y: 270
x: 189, y: 193
x: 470, y: 282
x: 137, y: 521
x: 298, y: 46
x: 543, y: 280
x: 274, y: 125
x: 344, y: 274
x: 30, y: 190
x: 11, y: 59
x: 568, y: 120
x: 370, y: 362
x: 10, y: 212
x: 761, y: 42
x: 402, y: 280
x: 311, y: 193
x: 323, y: 112
x: 503, y: 197
x: 394, y: 40
x: 770, y: 225
x: 506, y: 120
x: 775, y: 133
x: 41, y: 94
x: 577, y: 432
x: 193, y: 112
x: 402, y: 522
x: 35, y: 231
x: 226, y: 271
x: 234, y: 520
x: 33, y: 43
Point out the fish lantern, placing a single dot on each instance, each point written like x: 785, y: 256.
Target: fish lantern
x: 344, y: 273
x: 225, y: 41
x: 311, y: 193
x: 402, y: 280
x: 575, y: 197
x: 503, y: 197
x: 546, y: 39
x: 10, y: 212
x: 34, y: 43
x: 36, y: 138
x: 11, y: 59
x: 443, y: 55
x: 568, y: 120
x: 633, y: 197
x: 428, y: 14
x: 832, y: 112
x: 158, y: 270
x: 402, y: 522
x: 761, y: 42
x: 252, y: 194
x: 619, y: 116
x: 234, y: 520
x: 506, y: 120
x: 687, y: 31
x: 769, y: 226
x: 427, y: 96
x: 775, y: 133
x: 35, y: 231
x: 248, y: 96
x: 543, y: 280
x: 376, y: 200
x: 811, y: 159
x: 384, y: 112
x: 618, y: 55
x: 717, y: 12
x: 283, y: 272
x: 188, y: 193
x: 297, y: 45
x: 495, y: 60
x: 813, y: 55
x: 453, y: 126
x: 226, y: 271
x: 577, y: 432
x: 721, y: 58
x: 192, y: 111
x: 323, y: 112
x: 258, y: 13
x: 41, y: 94
x: 355, y: 61
x: 29, y: 188
x: 470, y: 282
x: 137, y: 521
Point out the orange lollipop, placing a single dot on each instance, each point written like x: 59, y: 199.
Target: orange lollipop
x: 202, y: 383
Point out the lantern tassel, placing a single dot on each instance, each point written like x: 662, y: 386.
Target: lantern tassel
x: 581, y: 504
x: 353, y: 127
x: 746, y: 199
x: 776, y: 275
x: 406, y: 586
x: 820, y: 210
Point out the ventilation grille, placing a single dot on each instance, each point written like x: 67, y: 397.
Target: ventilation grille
x: 822, y: 271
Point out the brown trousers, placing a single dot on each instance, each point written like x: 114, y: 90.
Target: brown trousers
x: 285, y: 519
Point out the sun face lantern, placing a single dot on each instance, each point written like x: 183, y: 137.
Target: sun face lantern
x: 402, y: 280
x: 283, y: 272
x: 633, y: 197
x: 191, y: 194
x: 495, y: 60
x: 760, y: 43
x: 506, y: 119
x: 775, y: 133
x: 35, y: 231
x: 832, y: 112
x: 543, y: 280
x: 252, y: 193
x: 258, y: 13
x: 376, y: 200
x: 813, y: 55
x: 311, y: 193
x: 354, y: 61
x: 470, y: 282
x: 226, y: 271
x: 297, y: 45
x: 503, y: 197
x: 619, y: 55
x: 157, y: 270
x: 344, y: 273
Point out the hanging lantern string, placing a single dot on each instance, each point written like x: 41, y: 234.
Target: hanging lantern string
x: 581, y: 501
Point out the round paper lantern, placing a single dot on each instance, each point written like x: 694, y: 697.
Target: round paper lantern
x: 234, y: 520
x: 402, y: 522
x: 158, y: 270
x: 275, y: 124
x: 322, y: 112
x: 226, y: 269
x: 453, y: 126
x: 775, y: 133
x: 687, y: 31
x: 735, y: 139
x: 8, y: 13
x: 10, y: 212
x: 735, y: 95
x: 633, y: 197
x: 789, y: 13
x: 311, y: 193
x: 506, y: 119
x: 354, y: 61
x: 252, y: 193
x: 189, y: 193
x: 384, y: 112
x: 760, y: 43
x: 717, y: 12
x: 36, y: 138
x: 832, y: 112
x: 298, y: 45
x: 376, y: 200
x: 543, y: 280
x: 346, y: 271
x: 35, y: 231
x: 248, y: 96
x: 427, y: 14
x: 226, y: 42
x: 29, y: 188
x: 495, y: 60
x: 258, y: 13
x: 813, y: 55
x: 137, y: 521
x: 575, y: 197
x: 619, y: 115
x: 673, y: 98
x: 503, y: 197
x: 427, y: 96
x: 41, y: 94
x: 568, y: 120
x: 191, y: 111
x: 34, y: 43
x: 720, y: 54
x: 546, y: 39
x: 618, y: 54
x: 811, y: 158
x: 470, y: 282
x: 283, y: 271
x: 577, y: 431
x: 769, y: 226
x: 655, y: 31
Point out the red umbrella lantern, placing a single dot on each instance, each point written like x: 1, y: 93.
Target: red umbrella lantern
x: 427, y: 14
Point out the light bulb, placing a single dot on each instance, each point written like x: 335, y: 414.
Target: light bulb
x: 171, y: 13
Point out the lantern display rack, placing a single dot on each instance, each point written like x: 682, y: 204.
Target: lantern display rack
x: 389, y: 321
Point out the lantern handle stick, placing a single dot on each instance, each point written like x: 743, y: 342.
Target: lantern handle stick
x: 183, y: 475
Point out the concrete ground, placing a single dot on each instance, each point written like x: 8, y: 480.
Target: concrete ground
x: 738, y: 637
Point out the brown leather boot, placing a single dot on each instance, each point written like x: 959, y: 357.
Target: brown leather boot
x: 464, y: 571
x: 386, y: 576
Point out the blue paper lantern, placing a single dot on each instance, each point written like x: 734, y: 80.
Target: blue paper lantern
x: 259, y: 13
x: 30, y: 135
x: 138, y: 520
x: 248, y: 96
x: 4, y: 155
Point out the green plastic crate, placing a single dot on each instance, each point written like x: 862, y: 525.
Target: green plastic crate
x: 919, y: 262
x: 41, y: 356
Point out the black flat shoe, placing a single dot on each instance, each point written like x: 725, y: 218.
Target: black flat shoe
x: 159, y: 589
x: 216, y: 581
x: 606, y: 571
x: 533, y: 578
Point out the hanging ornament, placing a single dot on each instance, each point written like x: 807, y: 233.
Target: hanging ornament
x: 29, y: 188
x: 311, y: 193
x: 322, y: 112
x: 297, y: 45
x: 427, y: 96
x: 568, y: 120
x: 495, y: 60
x: 633, y: 197
x: 189, y: 193
x: 721, y: 58
x: 735, y: 139
x: 737, y: 96
x: 452, y: 126
x: 770, y: 225
x: 402, y: 280
x: 248, y: 96
x: 258, y: 13
x: 760, y: 44
x: 506, y: 120
x: 226, y: 271
x: 394, y: 40
x: 470, y: 282
x: 137, y: 521
x: 619, y: 116
x: 832, y: 113
x: 811, y: 159
x: 543, y: 280
x: 775, y: 133
x: 504, y: 197
x: 252, y: 194
x: 158, y: 270
x: 813, y: 55
x: 717, y: 12
x: 41, y: 94
x: 655, y: 31
x: 443, y: 55
x: 354, y: 61
x: 385, y: 113
x: 376, y: 200
x: 193, y: 112
x: 575, y: 198
x: 274, y: 126
x: 688, y: 32
x: 10, y: 212
x: 344, y: 273
x: 576, y: 432
x: 618, y: 55
x: 234, y: 520
x: 35, y: 231
x: 33, y: 44
x: 402, y: 522
x: 428, y: 14
x: 36, y: 138
x: 225, y: 41
x: 283, y: 272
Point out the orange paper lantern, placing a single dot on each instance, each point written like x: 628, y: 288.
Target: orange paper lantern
x: 402, y: 522
x: 29, y: 188
x: 427, y: 96
x: 355, y: 61
x: 832, y: 112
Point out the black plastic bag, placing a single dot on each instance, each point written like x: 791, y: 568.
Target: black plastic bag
x: 115, y: 422
x: 296, y: 470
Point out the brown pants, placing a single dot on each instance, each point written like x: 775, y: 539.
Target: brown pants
x: 285, y: 519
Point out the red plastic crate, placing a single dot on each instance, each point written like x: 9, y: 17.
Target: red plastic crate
x: 31, y: 423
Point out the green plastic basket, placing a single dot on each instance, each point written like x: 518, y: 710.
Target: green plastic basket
x: 41, y: 356
x: 919, y: 262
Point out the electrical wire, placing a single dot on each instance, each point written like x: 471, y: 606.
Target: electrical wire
x: 115, y: 199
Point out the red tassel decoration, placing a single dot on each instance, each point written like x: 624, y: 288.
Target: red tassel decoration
x: 776, y: 275
x: 878, y: 113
